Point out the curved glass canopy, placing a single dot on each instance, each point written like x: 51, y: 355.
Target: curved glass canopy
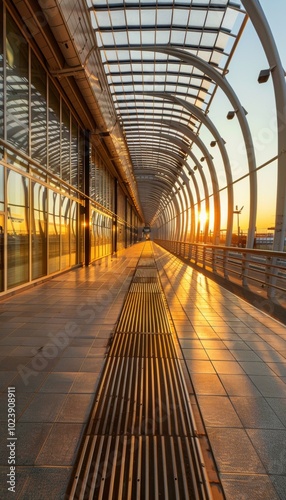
x: 160, y: 132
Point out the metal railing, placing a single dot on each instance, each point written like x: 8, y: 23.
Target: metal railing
x: 244, y: 266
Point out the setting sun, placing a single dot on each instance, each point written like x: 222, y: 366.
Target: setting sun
x: 203, y: 217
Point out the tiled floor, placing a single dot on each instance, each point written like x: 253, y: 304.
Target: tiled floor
x: 53, y: 339
x: 236, y: 357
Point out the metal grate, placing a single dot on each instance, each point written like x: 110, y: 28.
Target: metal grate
x: 143, y: 345
x: 140, y: 442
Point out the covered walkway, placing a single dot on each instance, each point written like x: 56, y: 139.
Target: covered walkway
x: 124, y: 120
x: 56, y: 337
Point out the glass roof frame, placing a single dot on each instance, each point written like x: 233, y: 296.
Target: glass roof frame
x: 208, y: 29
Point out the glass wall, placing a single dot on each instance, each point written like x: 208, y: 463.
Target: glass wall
x: 54, y: 129
x: 39, y: 230
x: 65, y: 232
x: 1, y: 75
x: 54, y: 231
x: 100, y: 234
x: 17, y: 229
x: 17, y: 83
x: 38, y: 112
x: 65, y: 143
x: 74, y: 233
x: 42, y: 164
x: 2, y: 229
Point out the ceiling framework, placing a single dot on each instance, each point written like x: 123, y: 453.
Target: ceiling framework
x: 161, y: 98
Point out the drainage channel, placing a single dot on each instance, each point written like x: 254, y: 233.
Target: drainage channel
x: 140, y: 442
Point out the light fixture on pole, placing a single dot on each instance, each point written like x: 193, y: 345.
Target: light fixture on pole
x: 203, y: 158
x: 264, y: 74
x: 230, y: 115
x: 214, y: 143
x: 238, y: 212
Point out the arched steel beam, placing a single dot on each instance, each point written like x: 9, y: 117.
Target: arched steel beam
x: 211, y: 72
x: 188, y: 152
x: 186, y: 180
x: 172, y: 205
x: 262, y: 28
x: 185, y: 147
x: 205, y: 152
x: 194, y: 234
x: 188, y: 133
x: 189, y: 200
x: 211, y: 127
x: 182, y: 197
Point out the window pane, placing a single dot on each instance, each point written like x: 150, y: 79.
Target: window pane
x: 1, y: 252
x: 54, y: 129
x: 74, y: 154
x: 1, y: 188
x: 54, y: 232
x: 74, y: 233
x: 1, y: 74
x: 38, y: 112
x: 65, y: 232
x: 18, y: 229
x: 39, y: 230
x: 65, y: 143
x: 17, y: 94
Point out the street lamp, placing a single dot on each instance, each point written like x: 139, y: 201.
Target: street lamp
x: 264, y: 74
x: 238, y: 212
x: 231, y: 114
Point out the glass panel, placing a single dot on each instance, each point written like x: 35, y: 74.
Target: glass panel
x: 2, y: 249
x: 39, y: 230
x: 1, y: 188
x: 93, y: 234
x: 18, y: 229
x: 1, y: 74
x: 54, y: 129
x: 74, y: 233
x: 17, y: 93
x: 38, y: 112
x: 65, y: 143
x: 74, y: 154
x: 54, y: 232
x: 65, y: 232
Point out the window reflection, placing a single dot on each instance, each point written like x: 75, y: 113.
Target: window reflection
x: 74, y: 154
x: 17, y: 229
x: 54, y: 129
x: 1, y: 188
x: 65, y: 232
x: 74, y: 234
x: 17, y: 87
x: 65, y: 143
x: 1, y: 252
x: 1, y: 77
x: 54, y: 232
x: 39, y: 230
x: 38, y: 112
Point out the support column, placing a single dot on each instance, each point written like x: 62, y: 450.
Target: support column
x: 114, y: 218
x: 86, y: 173
x: 262, y: 28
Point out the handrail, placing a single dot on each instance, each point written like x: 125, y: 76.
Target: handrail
x: 244, y: 266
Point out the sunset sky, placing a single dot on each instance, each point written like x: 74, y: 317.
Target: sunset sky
x: 258, y: 100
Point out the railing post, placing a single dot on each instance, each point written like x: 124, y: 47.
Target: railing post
x: 225, y: 263
x: 244, y: 268
x: 269, y: 278
x: 214, y: 260
x: 204, y: 257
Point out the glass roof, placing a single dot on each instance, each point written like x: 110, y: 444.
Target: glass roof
x: 140, y: 80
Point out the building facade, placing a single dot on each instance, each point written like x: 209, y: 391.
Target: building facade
x: 60, y: 203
